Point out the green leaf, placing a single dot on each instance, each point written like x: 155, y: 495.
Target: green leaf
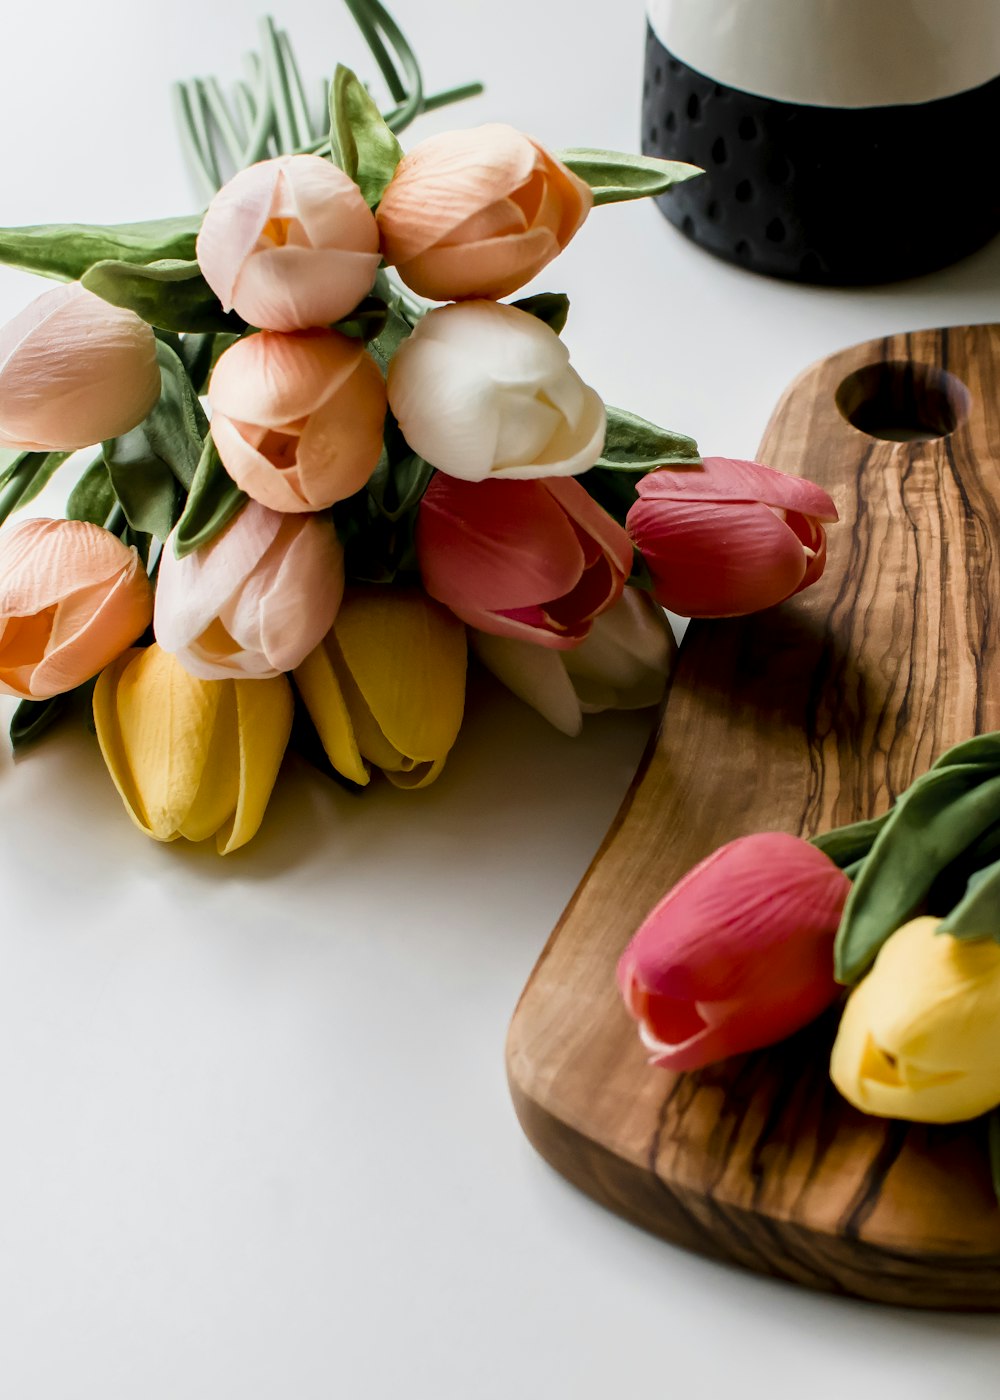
x: 152, y: 467
x: 25, y: 477
x: 214, y: 499
x: 617, y: 175
x: 66, y: 251
x: 366, y: 321
x: 93, y: 496
x: 632, y: 444
x: 200, y: 353
x: 388, y: 341
x: 977, y: 914
x: 361, y: 143
x: 932, y: 824
x: 846, y: 845
x: 32, y: 718
x: 550, y: 307
x: 614, y: 491
x: 170, y: 293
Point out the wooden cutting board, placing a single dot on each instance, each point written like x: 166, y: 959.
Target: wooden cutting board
x: 808, y: 716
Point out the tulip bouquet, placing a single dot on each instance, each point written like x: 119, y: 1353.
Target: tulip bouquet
x: 903, y: 911
x: 379, y: 484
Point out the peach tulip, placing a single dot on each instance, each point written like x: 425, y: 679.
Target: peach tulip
x: 191, y: 758
x: 739, y: 954
x: 622, y: 664
x: 297, y: 419
x: 483, y: 390
x: 289, y: 243
x: 74, y: 370
x: 538, y: 560
x: 72, y: 597
x: 729, y: 537
x: 256, y: 600
x: 478, y: 213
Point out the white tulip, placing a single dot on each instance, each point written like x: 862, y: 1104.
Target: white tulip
x: 623, y: 664
x: 482, y: 390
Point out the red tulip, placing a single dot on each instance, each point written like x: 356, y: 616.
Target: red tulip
x: 730, y: 537
x: 533, y: 559
x: 738, y: 955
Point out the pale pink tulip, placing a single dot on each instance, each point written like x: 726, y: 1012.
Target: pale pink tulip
x: 478, y: 213
x: 256, y: 600
x: 298, y: 418
x: 74, y: 370
x: 729, y: 537
x: 537, y: 560
x: 72, y: 599
x: 289, y: 243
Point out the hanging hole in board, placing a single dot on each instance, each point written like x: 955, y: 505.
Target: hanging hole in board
x: 901, y: 401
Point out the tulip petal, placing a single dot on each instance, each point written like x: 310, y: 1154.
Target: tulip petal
x: 290, y: 289
x: 494, y: 268
x: 537, y: 675
x: 318, y: 679
x: 110, y: 739
x: 218, y: 792
x: 707, y: 562
x: 263, y: 723
x: 407, y: 657
x: 232, y: 225
x: 727, y: 479
x: 273, y: 379
x: 490, y: 544
x: 446, y: 178
x: 626, y: 659
x: 328, y: 204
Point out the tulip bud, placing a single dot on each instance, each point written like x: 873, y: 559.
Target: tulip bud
x: 72, y: 597
x: 289, y: 243
x: 478, y: 213
x: 738, y: 955
x: 538, y: 560
x: 189, y: 757
x: 387, y: 686
x: 256, y: 600
x: 482, y: 390
x: 297, y: 419
x: 729, y: 537
x: 920, y: 1036
x: 622, y: 664
x: 74, y: 370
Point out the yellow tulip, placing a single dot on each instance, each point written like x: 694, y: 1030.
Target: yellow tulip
x: 189, y: 757
x: 920, y: 1036
x: 386, y: 688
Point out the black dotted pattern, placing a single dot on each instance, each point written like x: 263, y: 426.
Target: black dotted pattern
x: 820, y: 194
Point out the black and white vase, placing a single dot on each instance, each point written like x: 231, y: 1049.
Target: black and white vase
x: 844, y: 141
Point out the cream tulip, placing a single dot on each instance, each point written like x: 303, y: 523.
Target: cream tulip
x: 74, y: 370
x: 622, y: 664
x: 289, y: 243
x: 256, y: 600
x: 486, y: 390
x: 920, y: 1035
x: 191, y: 758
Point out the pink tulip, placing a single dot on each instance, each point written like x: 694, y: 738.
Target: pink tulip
x: 298, y: 418
x: 256, y: 600
x: 730, y: 537
x: 74, y: 370
x: 72, y: 599
x: 738, y: 955
x: 478, y: 213
x: 533, y: 559
x: 289, y: 243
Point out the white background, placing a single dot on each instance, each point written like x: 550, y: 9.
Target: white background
x: 256, y: 1140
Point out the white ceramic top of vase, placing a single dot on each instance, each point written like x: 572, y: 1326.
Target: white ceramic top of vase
x: 836, y: 53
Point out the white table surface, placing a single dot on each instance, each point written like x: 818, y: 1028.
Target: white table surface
x: 256, y: 1139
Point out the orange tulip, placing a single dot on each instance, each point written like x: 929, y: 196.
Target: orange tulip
x: 72, y: 598
x: 478, y: 213
x: 298, y: 418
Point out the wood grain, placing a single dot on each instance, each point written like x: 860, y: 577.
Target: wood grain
x: 808, y: 716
